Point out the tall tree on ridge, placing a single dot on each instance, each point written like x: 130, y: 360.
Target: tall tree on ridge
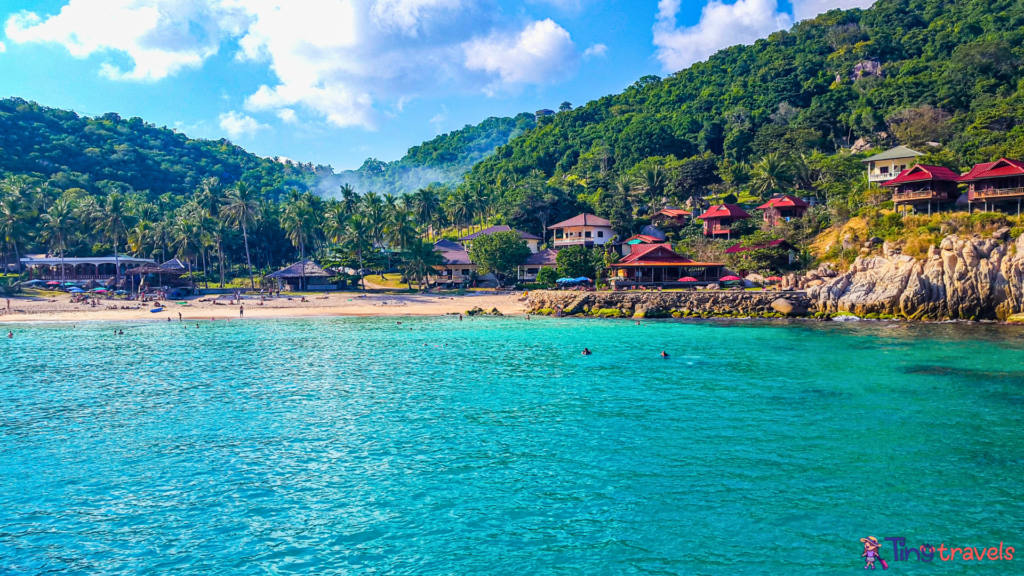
x: 241, y: 211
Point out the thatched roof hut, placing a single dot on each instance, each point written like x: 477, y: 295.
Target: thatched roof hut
x: 301, y: 276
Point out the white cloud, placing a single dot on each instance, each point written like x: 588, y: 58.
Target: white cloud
x: 346, y: 61
x: 287, y: 115
x: 236, y: 124
x: 3, y: 47
x: 540, y: 53
x: 805, y: 9
x: 598, y: 50
x: 721, y: 25
x: 160, y: 36
x: 406, y: 15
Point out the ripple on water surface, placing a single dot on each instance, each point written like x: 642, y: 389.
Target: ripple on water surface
x: 436, y: 446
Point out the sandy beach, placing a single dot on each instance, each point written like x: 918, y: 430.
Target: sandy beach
x: 60, y: 309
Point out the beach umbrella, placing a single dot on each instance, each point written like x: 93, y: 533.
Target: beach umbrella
x: 730, y: 279
x: 687, y: 279
x: 582, y: 279
x: 34, y: 282
x: 564, y: 280
x: 76, y: 290
x: 69, y: 283
x: 99, y: 290
x: 53, y: 283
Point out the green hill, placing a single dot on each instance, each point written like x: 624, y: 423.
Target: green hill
x: 818, y: 86
x: 110, y: 152
x: 444, y: 159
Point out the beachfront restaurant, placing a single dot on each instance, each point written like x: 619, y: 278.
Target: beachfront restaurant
x: 80, y: 269
x: 658, y: 266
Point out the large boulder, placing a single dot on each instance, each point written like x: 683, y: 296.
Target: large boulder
x: 787, y: 308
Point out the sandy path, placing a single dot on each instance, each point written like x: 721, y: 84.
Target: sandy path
x: 338, y: 304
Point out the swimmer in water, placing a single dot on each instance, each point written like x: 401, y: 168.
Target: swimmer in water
x: 586, y: 351
x: 10, y: 334
x: 664, y: 354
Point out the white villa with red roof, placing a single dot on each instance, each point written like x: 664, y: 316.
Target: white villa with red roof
x: 585, y: 230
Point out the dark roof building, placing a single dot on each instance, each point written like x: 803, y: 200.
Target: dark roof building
x: 501, y: 228
x: 718, y: 220
x: 924, y: 184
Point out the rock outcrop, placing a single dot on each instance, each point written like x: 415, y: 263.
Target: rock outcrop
x: 963, y: 278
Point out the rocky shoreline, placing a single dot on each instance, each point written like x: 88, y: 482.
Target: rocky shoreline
x: 961, y: 279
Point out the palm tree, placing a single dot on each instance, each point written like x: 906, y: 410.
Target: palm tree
x: 349, y: 199
x: 426, y: 206
x: 420, y: 259
x: 11, y: 219
x: 139, y: 236
x: 357, y: 238
x: 241, y: 211
x: 187, y: 234
x: 400, y: 230
x: 113, y: 221
x: 652, y: 184
x: 298, y: 221
x: 774, y: 172
x: 57, y: 224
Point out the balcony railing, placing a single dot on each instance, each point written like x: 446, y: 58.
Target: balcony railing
x: 919, y: 195
x: 719, y: 229
x: 881, y: 176
x: 998, y: 192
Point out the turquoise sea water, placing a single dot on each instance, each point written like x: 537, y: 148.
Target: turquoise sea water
x: 350, y: 446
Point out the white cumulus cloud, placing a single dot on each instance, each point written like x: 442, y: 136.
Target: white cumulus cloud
x: 540, y: 53
x: 288, y: 116
x: 598, y: 50
x: 721, y: 25
x: 805, y: 9
x: 237, y: 124
x: 3, y: 47
x: 160, y: 36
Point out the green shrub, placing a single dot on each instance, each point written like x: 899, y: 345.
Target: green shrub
x: 546, y: 311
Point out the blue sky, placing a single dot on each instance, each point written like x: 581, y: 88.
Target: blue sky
x: 338, y: 81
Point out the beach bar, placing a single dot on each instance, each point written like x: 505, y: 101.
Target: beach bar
x: 658, y: 266
x: 305, y: 275
x: 81, y: 269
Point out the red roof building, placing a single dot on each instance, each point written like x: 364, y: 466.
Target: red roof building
x: 676, y: 216
x: 532, y: 240
x: 784, y: 207
x: 993, y: 183
x: 924, y: 184
x: 718, y: 220
x: 658, y: 265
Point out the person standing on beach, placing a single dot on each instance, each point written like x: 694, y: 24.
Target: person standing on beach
x: 241, y: 311
x: 179, y: 316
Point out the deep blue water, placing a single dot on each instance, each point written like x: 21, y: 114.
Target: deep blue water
x: 350, y: 446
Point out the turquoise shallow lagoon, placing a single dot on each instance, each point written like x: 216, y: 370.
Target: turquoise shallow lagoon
x: 357, y: 446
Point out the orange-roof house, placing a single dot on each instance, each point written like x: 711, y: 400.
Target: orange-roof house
x: 924, y: 184
x: 659, y: 265
x: 718, y: 220
x: 783, y: 208
x: 996, y: 183
x: 675, y: 216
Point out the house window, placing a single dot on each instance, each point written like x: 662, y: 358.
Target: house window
x: 588, y: 233
x: 531, y: 270
x: 600, y: 233
x: 883, y: 170
x: 558, y: 233
x: 465, y: 271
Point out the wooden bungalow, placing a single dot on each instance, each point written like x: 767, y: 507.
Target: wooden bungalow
x: 305, y: 275
x: 628, y: 244
x: 657, y: 265
x: 995, y: 185
x: 924, y: 185
x: 783, y: 208
x: 458, y: 269
x: 719, y: 220
x: 674, y: 216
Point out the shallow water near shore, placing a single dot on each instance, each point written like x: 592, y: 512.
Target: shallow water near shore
x: 358, y: 445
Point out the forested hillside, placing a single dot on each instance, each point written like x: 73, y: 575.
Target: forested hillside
x: 111, y: 153
x: 903, y: 71
x: 444, y: 159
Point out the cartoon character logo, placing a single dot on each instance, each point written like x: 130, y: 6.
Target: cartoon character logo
x: 870, y: 554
